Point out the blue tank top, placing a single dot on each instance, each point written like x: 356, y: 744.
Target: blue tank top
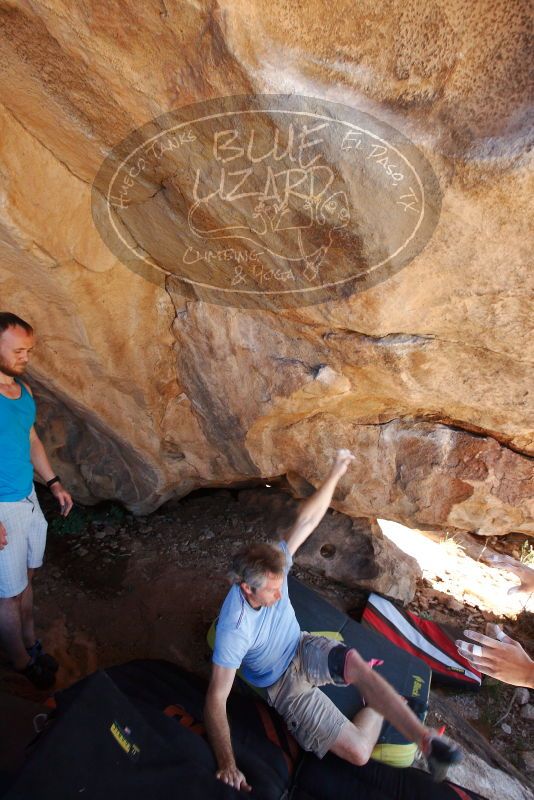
x: 16, y: 470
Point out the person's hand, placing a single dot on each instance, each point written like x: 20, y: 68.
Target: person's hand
x: 524, y: 573
x: 499, y: 657
x: 234, y: 777
x: 3, y: 537
x: 342, y: 461
x: 63, y: 497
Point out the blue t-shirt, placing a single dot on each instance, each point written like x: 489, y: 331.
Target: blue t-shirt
x: 261, y: 641
x: 16, y: 470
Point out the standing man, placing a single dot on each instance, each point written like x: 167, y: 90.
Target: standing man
x: 22, y: 524
x: 258, y: 632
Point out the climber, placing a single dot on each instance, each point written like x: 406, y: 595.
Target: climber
x: 258, y: 632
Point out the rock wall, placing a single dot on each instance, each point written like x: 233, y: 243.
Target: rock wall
x: 145, y: 395
x: 347, y: 550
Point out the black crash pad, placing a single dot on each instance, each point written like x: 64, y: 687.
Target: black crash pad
x: 406, y: 673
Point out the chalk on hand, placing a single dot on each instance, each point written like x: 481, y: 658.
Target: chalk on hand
x: 468, y: 650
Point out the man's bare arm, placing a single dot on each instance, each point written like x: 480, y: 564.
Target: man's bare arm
x: 216, y: 721
x: 42, y: 465
x: 314, y: 508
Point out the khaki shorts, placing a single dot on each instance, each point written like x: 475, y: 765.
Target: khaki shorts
x: 310, y: 715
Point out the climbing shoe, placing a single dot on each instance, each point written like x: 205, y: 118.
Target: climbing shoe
x: 440, y: 754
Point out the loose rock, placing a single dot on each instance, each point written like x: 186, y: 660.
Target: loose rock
x: 528, y: 760
x: 527, y: 712
x: 521, y: 696
x: 506, y: 728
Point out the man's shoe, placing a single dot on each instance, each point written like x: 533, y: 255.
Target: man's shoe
x: 44, y: 660
x: 441, y: 753
x: 40, y: 677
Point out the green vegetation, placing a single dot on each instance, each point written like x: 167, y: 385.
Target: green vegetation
x: 496, y: 696
x: 81, y: 517
x: 425, y: 615
x: 73, y: 525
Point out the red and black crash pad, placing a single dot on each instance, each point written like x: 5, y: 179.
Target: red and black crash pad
x: 429, y: 641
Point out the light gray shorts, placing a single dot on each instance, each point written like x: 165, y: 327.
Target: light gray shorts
x: 26, y: 540
x: 310, y: 715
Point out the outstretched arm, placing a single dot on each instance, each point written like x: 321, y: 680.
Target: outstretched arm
x: 218, y: 729
x: 314, y: 508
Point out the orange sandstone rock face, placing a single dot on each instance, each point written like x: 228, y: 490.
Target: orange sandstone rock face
x: 146, y: 394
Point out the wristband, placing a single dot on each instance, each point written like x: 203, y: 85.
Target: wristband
x: 55, y: 479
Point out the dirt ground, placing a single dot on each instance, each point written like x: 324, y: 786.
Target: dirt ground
x: 117, y: 587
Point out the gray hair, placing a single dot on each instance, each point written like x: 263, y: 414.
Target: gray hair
x: 252, y: 563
